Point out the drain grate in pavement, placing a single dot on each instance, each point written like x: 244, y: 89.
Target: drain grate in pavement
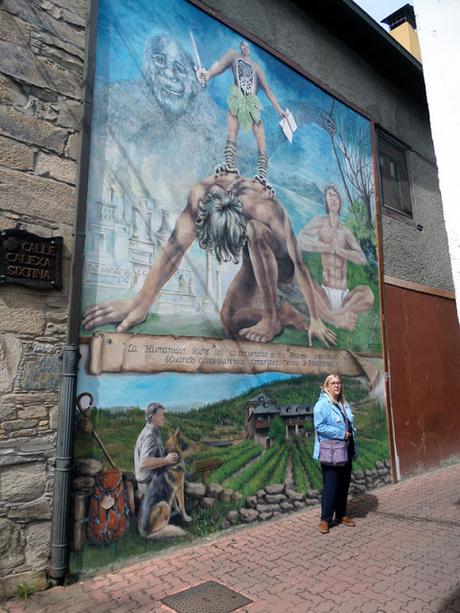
x: 208, y: 597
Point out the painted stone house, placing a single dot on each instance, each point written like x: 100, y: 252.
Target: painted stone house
x: 260, y: 412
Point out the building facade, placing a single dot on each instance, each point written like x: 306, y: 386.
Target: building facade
x: 44, y: 148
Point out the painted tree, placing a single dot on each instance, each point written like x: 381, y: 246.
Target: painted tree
x: 277, y: 430
x: 352, y: 150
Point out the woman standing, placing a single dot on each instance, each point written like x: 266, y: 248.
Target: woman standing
x: 334, y: 421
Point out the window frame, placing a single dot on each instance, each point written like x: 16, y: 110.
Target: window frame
x: 386, y: 137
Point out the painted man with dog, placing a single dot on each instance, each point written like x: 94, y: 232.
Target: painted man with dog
x: 149, y: 453
x: 159, y: 474
x: 234, y: 218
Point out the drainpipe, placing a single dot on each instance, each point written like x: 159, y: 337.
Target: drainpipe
x: 60, y: 527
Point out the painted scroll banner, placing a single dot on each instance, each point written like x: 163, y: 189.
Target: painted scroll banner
x: 115, y: 352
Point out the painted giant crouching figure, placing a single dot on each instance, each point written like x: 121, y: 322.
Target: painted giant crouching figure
x: 232, y: 217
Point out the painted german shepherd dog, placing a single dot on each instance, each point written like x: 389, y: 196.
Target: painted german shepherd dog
x: 165, y: 492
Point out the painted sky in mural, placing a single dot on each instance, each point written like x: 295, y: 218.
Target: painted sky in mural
x: 178, y: 391
x: 151, y: 145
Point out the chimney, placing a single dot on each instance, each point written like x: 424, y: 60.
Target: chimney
x: 403, y: 28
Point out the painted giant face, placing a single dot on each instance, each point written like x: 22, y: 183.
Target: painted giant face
x: 171, y: 75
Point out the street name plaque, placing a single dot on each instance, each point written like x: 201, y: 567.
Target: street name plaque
x: 30, y: 260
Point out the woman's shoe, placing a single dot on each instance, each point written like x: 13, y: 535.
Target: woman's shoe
x: 348, y: 521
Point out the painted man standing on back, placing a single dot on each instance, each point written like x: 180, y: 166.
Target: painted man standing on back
x: 244, y: 108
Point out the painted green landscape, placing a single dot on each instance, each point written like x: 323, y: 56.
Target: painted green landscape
x: 246, y: 466
x: 224, y: 420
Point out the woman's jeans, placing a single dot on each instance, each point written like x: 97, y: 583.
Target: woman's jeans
x: 336, y: 482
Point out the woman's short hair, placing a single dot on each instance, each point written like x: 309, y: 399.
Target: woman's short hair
x: 328, y: 379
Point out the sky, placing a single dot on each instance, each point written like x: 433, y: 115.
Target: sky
x: 379, y: 9
x: 176, y: 391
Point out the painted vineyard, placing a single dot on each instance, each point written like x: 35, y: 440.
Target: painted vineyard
x: 236, y: 451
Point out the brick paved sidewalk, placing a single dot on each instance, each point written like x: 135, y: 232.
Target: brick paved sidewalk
x: 404, y: 555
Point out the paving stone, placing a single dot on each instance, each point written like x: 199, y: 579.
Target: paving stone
x: 403, y: 556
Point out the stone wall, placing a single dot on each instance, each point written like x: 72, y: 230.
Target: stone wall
x: 280, y: 498
x: 276, y: 499
x: 42, y: 46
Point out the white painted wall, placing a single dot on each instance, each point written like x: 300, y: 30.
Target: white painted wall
x: 438, y: 30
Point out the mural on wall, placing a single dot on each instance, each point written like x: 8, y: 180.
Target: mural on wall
x: 230, y: 265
